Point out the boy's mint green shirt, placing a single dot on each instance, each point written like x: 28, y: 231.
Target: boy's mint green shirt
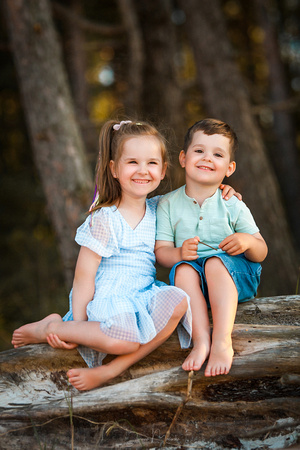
x: 180, y: 217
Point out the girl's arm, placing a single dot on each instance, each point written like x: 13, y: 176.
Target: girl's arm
x: 253, y: 245
x: 84, y: 282
x: 228, y: 192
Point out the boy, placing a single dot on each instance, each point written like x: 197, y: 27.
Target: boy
x: 214, y: 247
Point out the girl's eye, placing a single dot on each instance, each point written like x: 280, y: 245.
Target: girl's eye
x: 199, y: 150
x: 132, y: 162
x: 219, y: 155
x: 153, y: 162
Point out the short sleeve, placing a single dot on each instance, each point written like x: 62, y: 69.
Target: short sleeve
x: 98, y: 233
x: 245, y: 222
x: 164, y: 229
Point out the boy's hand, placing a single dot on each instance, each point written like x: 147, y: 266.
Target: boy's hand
x: 189, y: 249
x: 228, y: 192
x: 236, y: 243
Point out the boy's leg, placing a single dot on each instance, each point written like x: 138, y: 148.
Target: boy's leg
x: 187, y: 278
x: 84, y: 333
x: 223, y: 297
x: 86, y: 379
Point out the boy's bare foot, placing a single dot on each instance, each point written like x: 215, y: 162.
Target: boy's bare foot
x: 86, y: 379
x: 197, y: 356
x: 33, y: 333
x: 220, y: 359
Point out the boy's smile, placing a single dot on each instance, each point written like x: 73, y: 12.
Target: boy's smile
x: 207, y: 160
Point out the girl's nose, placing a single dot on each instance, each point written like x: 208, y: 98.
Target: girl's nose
x: 143, y: 169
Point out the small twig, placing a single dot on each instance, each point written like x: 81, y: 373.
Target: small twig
x: 203, y: 243
x: 180, y: 407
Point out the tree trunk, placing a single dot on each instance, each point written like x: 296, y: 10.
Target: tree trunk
x: 162, y: 97
x: 54, y: 135
x: 286, y: 163
x: 76, y: 64
x: 225, y: 98
x: 254, y: 406
x: 136, y: 60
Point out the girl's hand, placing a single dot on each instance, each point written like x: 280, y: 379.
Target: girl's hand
x: 54, y: 341
x: 189, y: 249
x: 236, y: 243
x: 228, y: 192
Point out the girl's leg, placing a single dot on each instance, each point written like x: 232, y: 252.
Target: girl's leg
x: 86, y: 379
x: 187, y: 278
x: 84, y: 333
x: 223, y: 297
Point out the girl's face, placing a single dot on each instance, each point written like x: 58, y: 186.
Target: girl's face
x: 140, y: 168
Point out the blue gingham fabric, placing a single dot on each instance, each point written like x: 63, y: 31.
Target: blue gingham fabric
x: 129, y: 302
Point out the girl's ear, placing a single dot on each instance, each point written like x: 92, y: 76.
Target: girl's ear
x: 112, y: 167
x: 231, y: 168
x: 163, y: 172
x: 182, y: 158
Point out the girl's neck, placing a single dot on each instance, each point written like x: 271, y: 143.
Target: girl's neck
x: 132, y: 210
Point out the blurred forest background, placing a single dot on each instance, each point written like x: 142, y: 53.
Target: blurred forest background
x: 68, y: 65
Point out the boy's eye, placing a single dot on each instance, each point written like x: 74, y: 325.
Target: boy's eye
x: 132, y: 162
x: 199, y: 150
x: 153, y: 162
x: 219, y: 155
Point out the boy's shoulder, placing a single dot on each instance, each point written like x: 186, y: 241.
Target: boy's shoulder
x: 173, y: 195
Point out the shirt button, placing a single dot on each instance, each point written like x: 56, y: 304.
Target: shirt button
x: 195, y: 202
x: 201, y: 218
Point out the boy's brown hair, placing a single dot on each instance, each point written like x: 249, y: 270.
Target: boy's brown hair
x: 210, y: 127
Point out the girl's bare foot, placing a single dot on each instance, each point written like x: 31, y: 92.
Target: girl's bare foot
x: 198, y: 355
x: 86, y: 379
x: 33, y: 333
x: 220, y: 360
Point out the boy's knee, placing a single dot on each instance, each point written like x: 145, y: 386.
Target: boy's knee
x: 213, y: 264
x: 181, y: 271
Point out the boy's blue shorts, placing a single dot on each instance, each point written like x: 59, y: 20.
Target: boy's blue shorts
x: 245, y: 274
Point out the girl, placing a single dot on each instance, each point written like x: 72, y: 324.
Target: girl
x: 116, y: 304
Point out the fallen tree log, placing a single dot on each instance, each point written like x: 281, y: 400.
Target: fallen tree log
x: 260, y: 393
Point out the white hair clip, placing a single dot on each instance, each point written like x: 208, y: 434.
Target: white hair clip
x: 117, y: 126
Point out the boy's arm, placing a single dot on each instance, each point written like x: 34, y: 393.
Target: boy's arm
x: 167, y: 254
x: 84, y: 282
x: 252, y: 245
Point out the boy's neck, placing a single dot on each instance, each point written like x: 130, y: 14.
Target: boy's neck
x: 200, y: 192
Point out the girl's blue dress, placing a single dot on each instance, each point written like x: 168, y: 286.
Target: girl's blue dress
x: 129, y: 302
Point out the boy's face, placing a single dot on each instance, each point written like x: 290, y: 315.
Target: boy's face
x: 207, y: 160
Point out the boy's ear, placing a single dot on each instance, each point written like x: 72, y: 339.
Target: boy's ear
x: 182, y: 158
x: 112, y: 167
x: 231, y: 168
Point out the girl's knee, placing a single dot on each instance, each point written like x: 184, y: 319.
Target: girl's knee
x: 123, y: 347
x: 180, y: 309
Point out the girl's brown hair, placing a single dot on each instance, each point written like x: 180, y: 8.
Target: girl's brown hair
x: 111, y: 142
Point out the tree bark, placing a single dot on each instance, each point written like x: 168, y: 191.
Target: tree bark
x: 225, y: 98
x: 54, y: 134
